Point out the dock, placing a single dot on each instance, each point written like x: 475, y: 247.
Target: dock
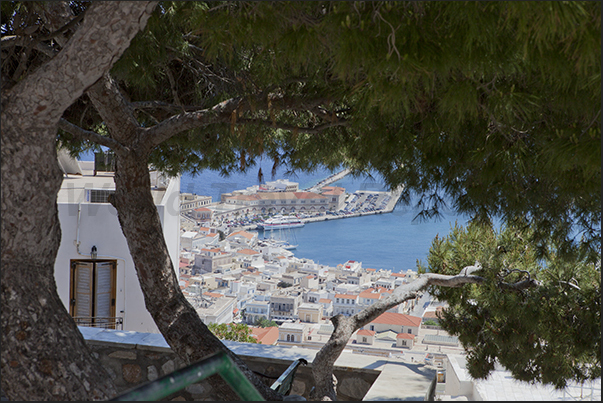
x: 327, y: 181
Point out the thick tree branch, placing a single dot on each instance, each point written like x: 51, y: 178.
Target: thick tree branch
x: 88, y: 135
x: 234, y: 107
x: 322, y: 366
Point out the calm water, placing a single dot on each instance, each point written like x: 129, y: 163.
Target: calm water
x: 383, y: 241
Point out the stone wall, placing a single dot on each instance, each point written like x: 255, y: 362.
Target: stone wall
x: 131, y: 365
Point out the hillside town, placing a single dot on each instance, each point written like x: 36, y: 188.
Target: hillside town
x: 232, y: 273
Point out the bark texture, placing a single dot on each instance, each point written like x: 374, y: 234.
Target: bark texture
x: 44, y: 356
x: 175, y: 317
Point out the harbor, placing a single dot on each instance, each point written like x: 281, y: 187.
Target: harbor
x: 233, y: 217
x: 388, y: 238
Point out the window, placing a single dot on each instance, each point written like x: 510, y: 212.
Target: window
x: 100, y: 195
x: 364, y: 340
x: 403, y: 342
x: 409, y: 331
x: 288, y: 337
x: 372, y: 327
x: 92, y: 292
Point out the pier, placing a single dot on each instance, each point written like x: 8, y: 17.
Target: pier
x: 327, y: 181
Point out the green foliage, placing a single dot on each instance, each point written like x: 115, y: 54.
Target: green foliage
x: 431, y: 322
x: 263, y: 322
x: 488, y: 102
x: 232, y: 331
x: 548, y: 334
x: 284, y: 284
x: 495, y: 105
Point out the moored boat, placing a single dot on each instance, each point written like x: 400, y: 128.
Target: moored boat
x: 281, y: 222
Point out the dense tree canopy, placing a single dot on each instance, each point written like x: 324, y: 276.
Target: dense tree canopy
x: 548, y: 334
x: 495, y: 105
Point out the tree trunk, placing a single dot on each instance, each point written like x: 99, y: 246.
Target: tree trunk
x: 44, y: 356
x: 175, y: 317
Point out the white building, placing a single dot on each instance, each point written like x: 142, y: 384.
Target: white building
x: 345, y: 304
x: 350, y: 267
x: 289, y: 333
x: 217, y: 309
x: 106, y: 285
x: 308, y: 312
x: 255, y: 310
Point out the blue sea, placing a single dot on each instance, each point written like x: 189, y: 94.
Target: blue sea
x: 385, y: 241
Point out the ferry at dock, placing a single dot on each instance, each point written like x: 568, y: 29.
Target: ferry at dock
x: 281, y: 222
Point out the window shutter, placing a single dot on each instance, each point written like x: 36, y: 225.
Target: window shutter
x: 82, y: 289
x: 104, y: 290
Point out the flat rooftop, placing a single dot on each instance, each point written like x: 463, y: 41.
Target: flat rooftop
x: 74, y: 186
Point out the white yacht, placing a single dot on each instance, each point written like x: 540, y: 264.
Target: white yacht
x: 280, y: 221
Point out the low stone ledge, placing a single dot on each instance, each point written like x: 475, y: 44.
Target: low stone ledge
x: 133, y: 358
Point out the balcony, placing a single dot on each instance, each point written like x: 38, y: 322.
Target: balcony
x: 116, y: 323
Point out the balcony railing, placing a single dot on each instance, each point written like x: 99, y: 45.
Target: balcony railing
x: 116, y: 323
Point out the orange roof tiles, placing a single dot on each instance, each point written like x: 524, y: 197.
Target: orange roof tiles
x: 308, y: 195
x: 324, y: 301
x: 390, y: 318
x: 266, y: 335
x: 346, y: 296
x: 370, y: 294
x: 248, y: 252
x: 366, y: 332
x: 405, y: 336
x: 245, y: 234
x: 332, y: 190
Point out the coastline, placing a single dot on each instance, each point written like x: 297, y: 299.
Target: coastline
x: 395, y: 196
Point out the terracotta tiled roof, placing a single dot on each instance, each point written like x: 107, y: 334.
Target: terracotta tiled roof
x: 371, y: 269
x: 202, y: 209
x: 390, y: 318
x: 366, y: 332
x: 266, y: 335
x: 245, y: 234
x: 308, y: 195
x: 370, y: 294
x: 247, y: 251
x: 324, y: 300
x: 398, y: 275
x: 332, y: 190
x: 405, y: 336
x: 346, y: 296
